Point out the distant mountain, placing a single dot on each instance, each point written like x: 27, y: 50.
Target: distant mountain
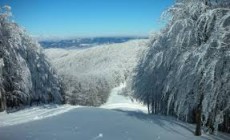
x: 85, y: 42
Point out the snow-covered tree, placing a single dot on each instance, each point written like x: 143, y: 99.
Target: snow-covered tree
x: 26, y: 76
x: 185, y: 72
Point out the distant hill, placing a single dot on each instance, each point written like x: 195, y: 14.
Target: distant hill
x: 85, y: 42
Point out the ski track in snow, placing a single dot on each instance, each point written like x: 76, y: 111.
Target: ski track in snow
x: 33, y: 113
x: 119, y: 119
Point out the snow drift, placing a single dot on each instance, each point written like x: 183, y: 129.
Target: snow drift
x: 89, y: 74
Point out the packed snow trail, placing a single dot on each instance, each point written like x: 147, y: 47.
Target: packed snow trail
x: 118, y: 119
x: 118, y: 101
x: 96, y: 123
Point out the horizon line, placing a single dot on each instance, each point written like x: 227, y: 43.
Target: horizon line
x: 53, y: 38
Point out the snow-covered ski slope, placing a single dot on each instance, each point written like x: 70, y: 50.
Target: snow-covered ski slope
x: 118, y: 101
x: 118, y: 119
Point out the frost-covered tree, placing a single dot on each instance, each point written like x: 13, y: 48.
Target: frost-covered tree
x: 185, y: 72
x: 25, y: 74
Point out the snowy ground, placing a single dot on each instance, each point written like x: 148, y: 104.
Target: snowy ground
x: 118, y: 119
x: 33, y: 113
x: 117, y: 101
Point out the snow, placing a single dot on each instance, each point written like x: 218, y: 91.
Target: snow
x: 99, y: 136
x: 33, y: 113
x: 115, y: 120
x: 89, y: 74
x: 96, y: 123
x: 118, y: 101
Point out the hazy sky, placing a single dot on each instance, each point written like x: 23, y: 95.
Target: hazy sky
x: 88, y: 17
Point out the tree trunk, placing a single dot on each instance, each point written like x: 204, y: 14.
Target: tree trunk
x: 198, y: 110
x: 1, y: 106
x: 198, y: 115
x: 3, y: 102
x: 148, y: 106
x: 198, y: 122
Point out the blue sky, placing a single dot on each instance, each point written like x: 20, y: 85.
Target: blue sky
x: 88, y: 17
